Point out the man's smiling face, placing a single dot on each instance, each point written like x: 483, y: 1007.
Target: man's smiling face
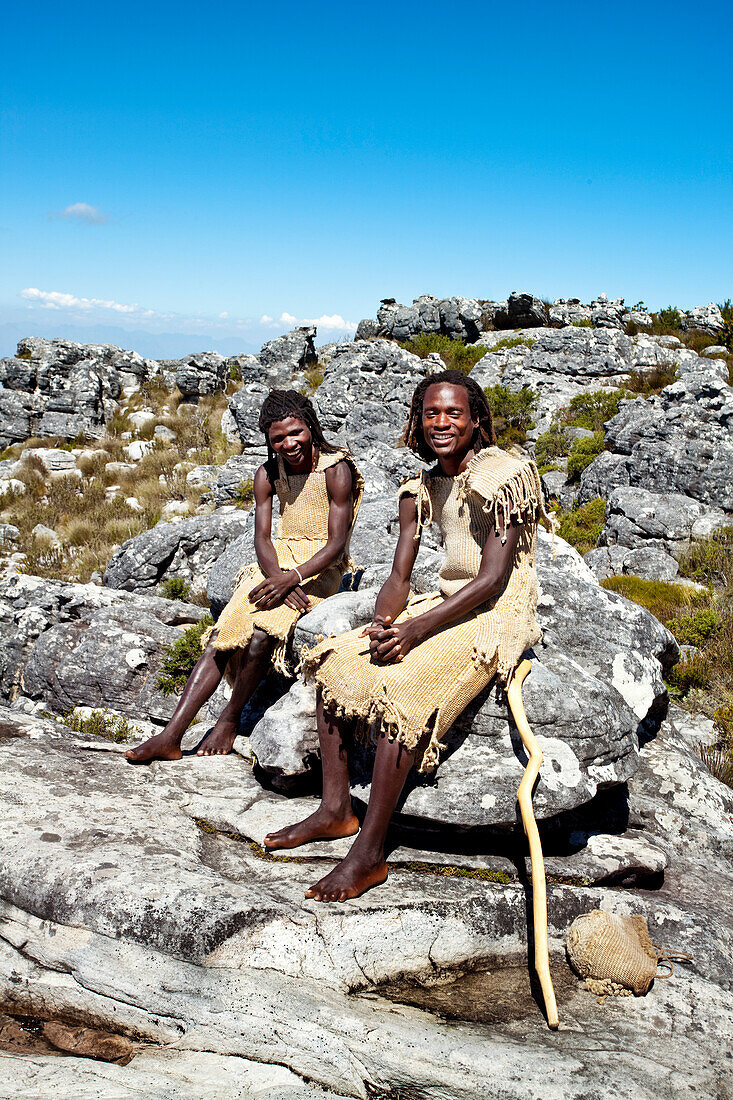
x: 447, y: 423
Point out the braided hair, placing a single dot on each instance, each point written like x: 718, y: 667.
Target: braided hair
x: 282, y: 404
x: 484, y: 436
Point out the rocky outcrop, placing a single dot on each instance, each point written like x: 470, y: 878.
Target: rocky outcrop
x: 638, y: 519
x: 203, y: 373
x: 67, y: 645
x: 185, y: 548
x: 206, y: 957
x: 678, y: 441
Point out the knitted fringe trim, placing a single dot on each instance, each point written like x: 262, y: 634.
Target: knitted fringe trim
x: 519, y: 498
x: 380, y: 717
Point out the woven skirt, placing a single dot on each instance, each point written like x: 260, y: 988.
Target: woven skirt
x: 414, y: 701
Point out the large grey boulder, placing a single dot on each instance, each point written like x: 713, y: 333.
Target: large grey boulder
x: 704, y: 318
x: 522, y: 311
x: 186, y: 548
x: 643, y: 520
x: 289, y: 354
x: 680, y: 440
x: 366, y: 392
x: 458, y: 318
x: 202, y: 373
x: 56, y: 387
x: 67, y: 645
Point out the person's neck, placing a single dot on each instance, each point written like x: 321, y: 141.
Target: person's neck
x: 450, y: 465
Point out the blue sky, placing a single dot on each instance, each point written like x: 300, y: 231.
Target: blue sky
x: 175, y: 170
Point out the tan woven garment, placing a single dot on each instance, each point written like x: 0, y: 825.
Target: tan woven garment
x: 302, y: 532
x: 418, y: 699
x: 613, y: 953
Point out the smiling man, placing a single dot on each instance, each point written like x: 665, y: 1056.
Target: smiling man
x: 407, y: 676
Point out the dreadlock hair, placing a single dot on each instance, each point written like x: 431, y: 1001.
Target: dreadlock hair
x: 281, y: 404
x: 484, y: 436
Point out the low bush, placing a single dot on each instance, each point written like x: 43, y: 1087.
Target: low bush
x: 314, y: 377
x: 584, y: 323
x: 582, y: 453
x: 512, y: 412
x: 456, y: 354
x: 582, y: 525
x: 664, y: 599
x: 510, y: 342
x: 710, y: 561
x: 101, y: 723
x: 180, y: 657
x: 697, y: 628
x: 647, y: 383
x: 245, y: 493
x: 591, y: 410
x: 174, y: 588
x: 552, y: 444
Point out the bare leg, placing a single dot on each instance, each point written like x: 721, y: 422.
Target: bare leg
x: 365, y: 864
x: 335, y: 816
x: 201, y: 685
x: 220, y: 740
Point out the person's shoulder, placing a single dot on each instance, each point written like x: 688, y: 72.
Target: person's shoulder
x: 493, y: 472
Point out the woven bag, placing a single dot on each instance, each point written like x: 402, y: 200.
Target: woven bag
x: 614, y: 954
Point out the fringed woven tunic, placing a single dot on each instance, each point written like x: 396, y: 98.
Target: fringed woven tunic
x: 303, y: 531
x: 416, y: 700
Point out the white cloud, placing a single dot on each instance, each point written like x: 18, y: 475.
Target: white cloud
x: 223, y: 316
x: 82, y: 212
x: 325, y: 321
x: 58, y: 299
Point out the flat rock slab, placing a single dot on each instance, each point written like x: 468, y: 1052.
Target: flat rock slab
x: 128, y: 904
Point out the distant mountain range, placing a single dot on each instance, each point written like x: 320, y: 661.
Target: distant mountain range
x: 151, y: 345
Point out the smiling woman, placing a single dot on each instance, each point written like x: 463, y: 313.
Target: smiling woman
x: 319, y: 489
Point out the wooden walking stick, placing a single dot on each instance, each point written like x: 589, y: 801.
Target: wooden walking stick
x: 524, y: 798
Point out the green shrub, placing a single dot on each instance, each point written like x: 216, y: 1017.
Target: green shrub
x: 511, y: 412
x: 664, y: 599
x: 510, y: 342
x: 554, y: 443
x: 314, y: 377
x: 592, y: 410
x: 692, y: 672
x: 669, y: 318
x: 179, y: 658
x: 456, y: 354
x: 585, y: 323
x: 695, y: 629
x: 710, y: 560
x: 174, y: 588
x: 245, y: 493
x: 646, y: 383
x: 583, y: 524
x: 101, y: 723
x: 582, y: 453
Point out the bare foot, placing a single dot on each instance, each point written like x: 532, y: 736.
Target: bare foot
x: 351, y: 878
x: 160, y: 747
x: 322, y: 825
x: 220, y: 740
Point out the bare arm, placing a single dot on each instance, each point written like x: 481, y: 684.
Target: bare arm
x: 284, y: 586
x: 264, y: 549
x: 395, y: 590
x: 497, y: 559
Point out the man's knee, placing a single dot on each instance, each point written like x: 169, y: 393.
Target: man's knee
x: 259, y: 645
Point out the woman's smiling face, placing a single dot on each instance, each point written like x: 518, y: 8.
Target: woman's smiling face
x: 291, y: 438
x: 447, y: 423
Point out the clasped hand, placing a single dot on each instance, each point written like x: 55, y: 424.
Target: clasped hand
x: 390, y: 642
x: 282, y: 588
